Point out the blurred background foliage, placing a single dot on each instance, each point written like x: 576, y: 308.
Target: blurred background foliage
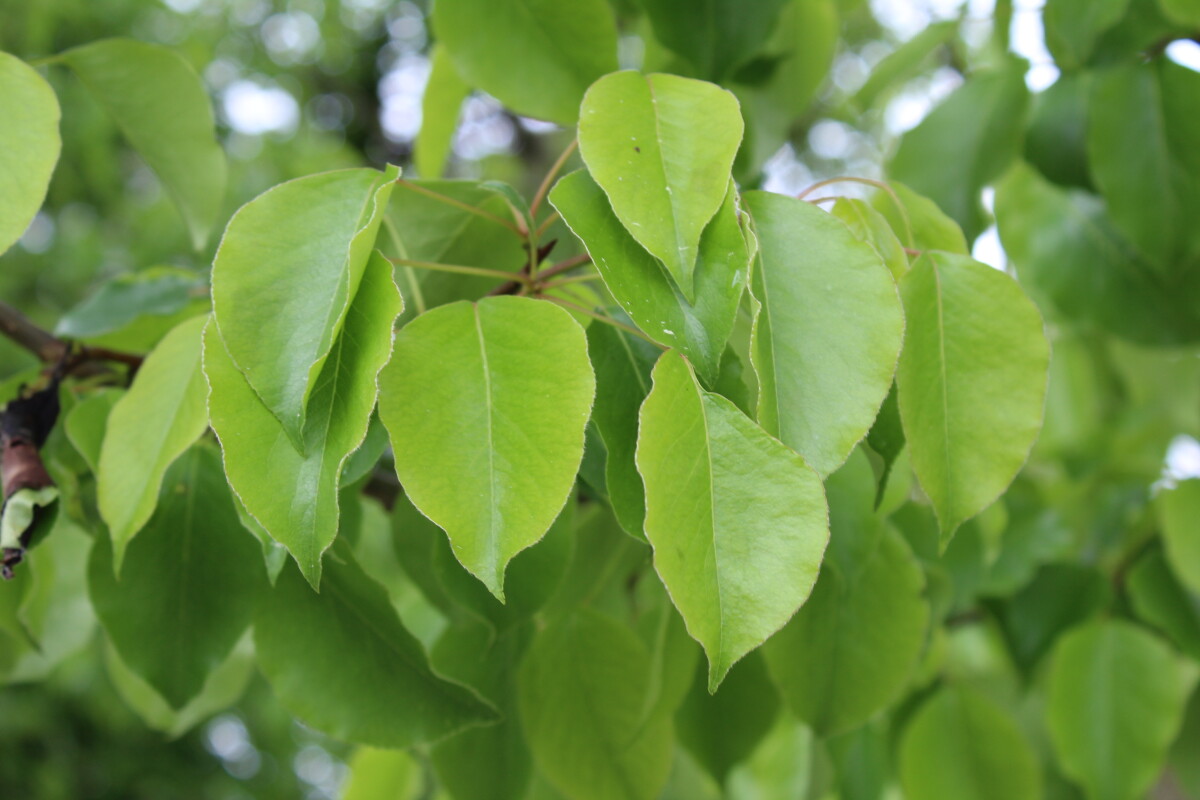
x: 302, y: 86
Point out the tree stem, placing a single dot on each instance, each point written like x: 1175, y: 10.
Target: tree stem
x: 457, y: 268
x: 547, y: 181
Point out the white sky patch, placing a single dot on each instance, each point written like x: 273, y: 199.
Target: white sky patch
x: 784, y: 174
x: 400, y: 93
x: 254, y: 109
x: 1185, y: 53
x: 1183, y: 459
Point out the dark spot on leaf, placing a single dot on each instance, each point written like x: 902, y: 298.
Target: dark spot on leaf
x: 637, y: 149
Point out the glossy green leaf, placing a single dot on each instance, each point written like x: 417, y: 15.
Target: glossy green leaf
x: 29, y: 145
x: 1073, y: 26
x: 978, y: 128
x: 718, y: 35
x: 440, y: 104
x: 224, y: 685
x: 721, y: 730
x: 971, y: 382
x: 1141, y: 145
x: 738, y: 522
x: 162, y: 107
x: 1115, y: 701
x: 149, y: 427
x: 299, y: 249
x: 1085, y: 268
x: 960, y: 744
x: 561, y: 48
x: 853, y: 646
x: 465, y: 399
x: 593, y: 750
x: 294, y: 496
x: 343, y: 662
x: 1160, y: 600
x: 1179, y: 515
x: 383, y: 775
x: 491, y: 763
x: 190, y: 583
x: 828, y: 333
x: 637, y: 137
x: 622, y: 363
x: 639, y: 284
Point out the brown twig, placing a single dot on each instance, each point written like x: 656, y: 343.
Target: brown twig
x: 51, y: 350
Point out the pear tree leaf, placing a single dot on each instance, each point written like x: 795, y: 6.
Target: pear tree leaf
x: 640, y: 285
x: 148, y: 428
x: 827, y: 334
x: 466, y: 400
x: 300, y: 250
x: 638, y: 137
x: 1114, y: 703
x: 971, y: 383
x: 294, y: 497
x: 560, y: 50
x: 737, y: 521
x: 29, y: 145
x: 162, y: 107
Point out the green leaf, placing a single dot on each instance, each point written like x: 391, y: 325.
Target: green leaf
x: 29, y: 145
x: 343, y: 663
x: 828, y: 332
x: 853, y: 646
x: 870, y: 226
x: 971, y: 382
x: 796, y: 61
x: 299, y: 249
x: 1115, y: 702
x: 886, y: 441
x: 191, y: 582
x: 536, y: 56
x: 149, y: 427
x: 905, y: 62
x: 637, y: 135
x: 716, y: 36
x: 492, y: 763
x: 738, y: 522
x: 85, y: 424
x: 622, y: 363
x: 383, y: 775
x: 1179, y: 516
x: 978, y: 129
x: 1141, y: 146
x: 1059, y: 597
x: 443, y: 233
x: 467, y: 399
x: 161, y: 106
x: 1159, y: 599
x: 1055, y: 141
x: 440, y: 104
x: 581, y: 691
x: 158, y: 292
x: 1074, y: 26
x: 723, y: 729
x: 918, y: 222
x: 1085, y: 268
x: 294, y: 496
x: 1182, y: 12
x: 639, y: 284
x: 962, y: 745
x: 222, y: 688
